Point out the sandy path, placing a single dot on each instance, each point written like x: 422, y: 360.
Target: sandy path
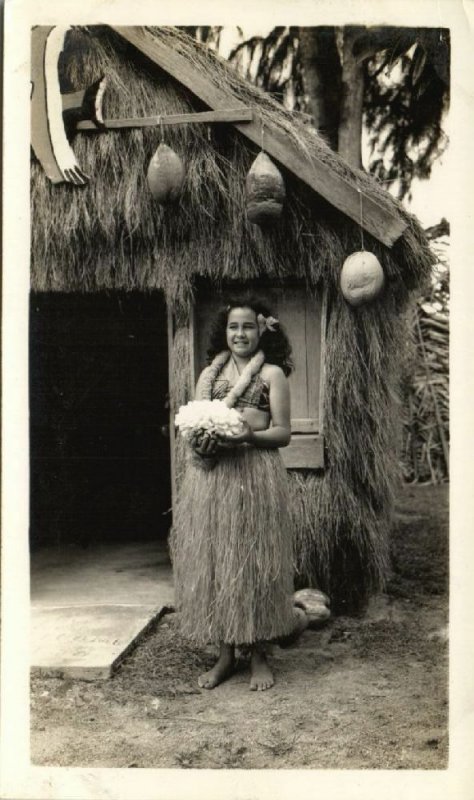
x: 367, y: 692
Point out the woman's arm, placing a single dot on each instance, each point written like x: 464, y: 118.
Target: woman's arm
x: 279, y: 434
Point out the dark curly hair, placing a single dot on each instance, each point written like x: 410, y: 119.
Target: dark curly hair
x: 275, y: 344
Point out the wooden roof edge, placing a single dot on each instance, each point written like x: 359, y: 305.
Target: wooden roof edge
x: 383, y: 224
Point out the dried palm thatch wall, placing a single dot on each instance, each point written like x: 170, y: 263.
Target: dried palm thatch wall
x: 425, y: 445
x: 109, y: 235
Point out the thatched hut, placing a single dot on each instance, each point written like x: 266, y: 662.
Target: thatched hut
x: 109, y: 238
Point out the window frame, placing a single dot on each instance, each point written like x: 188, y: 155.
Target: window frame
x: 306, y: 449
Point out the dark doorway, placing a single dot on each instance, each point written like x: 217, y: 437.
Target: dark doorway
x: 100, y: 462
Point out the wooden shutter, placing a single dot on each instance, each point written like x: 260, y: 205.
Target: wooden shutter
x: 303, y: 316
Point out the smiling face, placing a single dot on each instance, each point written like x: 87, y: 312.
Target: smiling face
x: 242, y: 332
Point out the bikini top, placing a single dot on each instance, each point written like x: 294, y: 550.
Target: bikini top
x: 256, y: 395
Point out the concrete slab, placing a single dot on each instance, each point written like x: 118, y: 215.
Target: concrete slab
x: 90, y: 606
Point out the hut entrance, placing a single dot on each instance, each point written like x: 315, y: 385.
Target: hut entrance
x: 100, y: 463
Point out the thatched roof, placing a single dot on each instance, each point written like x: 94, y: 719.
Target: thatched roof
x: 111, y: 235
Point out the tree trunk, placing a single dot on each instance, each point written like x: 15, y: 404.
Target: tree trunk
x: 352, y: 98
x: 321, y: 71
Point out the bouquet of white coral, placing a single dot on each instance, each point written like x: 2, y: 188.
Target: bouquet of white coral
x: 210, y: 416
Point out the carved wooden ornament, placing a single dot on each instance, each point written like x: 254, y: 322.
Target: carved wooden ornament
x: 48, y: 135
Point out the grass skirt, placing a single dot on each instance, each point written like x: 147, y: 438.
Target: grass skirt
x: 232, y: 551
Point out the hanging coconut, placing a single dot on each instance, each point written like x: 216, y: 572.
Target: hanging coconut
x: 165, y: 175
x: 362, y: 278
x: 265, y: 190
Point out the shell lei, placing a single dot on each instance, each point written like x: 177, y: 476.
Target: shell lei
x: 250, y: 370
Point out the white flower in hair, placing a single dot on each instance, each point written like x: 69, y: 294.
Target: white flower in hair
x: 266, y: 323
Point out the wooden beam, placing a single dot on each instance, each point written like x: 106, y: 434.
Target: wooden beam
x: 305, y: 451
x: 307, y: 425
x: 193, y: 351
x: 72, y: 100
x: 231, y: 115
x: 171, y: 377
x: 384, y: 225
x: 322, y: 374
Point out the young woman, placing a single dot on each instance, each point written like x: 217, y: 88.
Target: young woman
x: 231, y: 541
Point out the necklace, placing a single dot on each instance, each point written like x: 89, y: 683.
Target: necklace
x: 249, y: 371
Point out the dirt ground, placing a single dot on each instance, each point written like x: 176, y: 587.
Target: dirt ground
x: 361, y: 693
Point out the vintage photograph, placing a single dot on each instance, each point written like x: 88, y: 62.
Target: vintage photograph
x: 238, y: 394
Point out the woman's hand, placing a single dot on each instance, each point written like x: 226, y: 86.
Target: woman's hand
x: 246, y: 436
x: 204, y: 443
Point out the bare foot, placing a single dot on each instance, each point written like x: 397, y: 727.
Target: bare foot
x: 262, y: 676
x: 222, y: 669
